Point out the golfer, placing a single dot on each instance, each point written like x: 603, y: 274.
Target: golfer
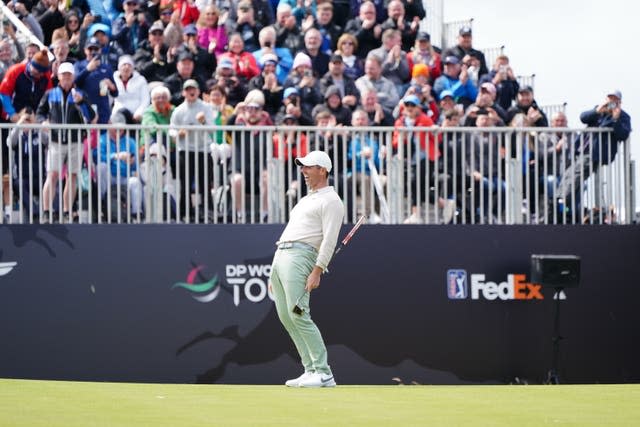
x: 304, y: 251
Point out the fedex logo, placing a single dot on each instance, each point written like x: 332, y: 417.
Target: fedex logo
x: 515, y: 288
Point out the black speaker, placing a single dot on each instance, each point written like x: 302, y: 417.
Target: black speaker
x: 558, y: 271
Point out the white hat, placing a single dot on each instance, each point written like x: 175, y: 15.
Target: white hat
x: 66, y: 67
x: 616, y: 93
x: 301, y: 59
x: 315, y: 158
x: 125, y: 59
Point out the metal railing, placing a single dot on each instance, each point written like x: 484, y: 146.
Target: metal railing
x: 135, y: 174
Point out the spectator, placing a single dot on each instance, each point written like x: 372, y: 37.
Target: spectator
x: 377, y: 115
x: 406, y: 26
x: 61, y: 54
x: 24, y: 84
x: 394, y: 61
x: 292, y: 105
x: 110, y: 51
x: 244, y: 63
x: 302, y: 79
x: 6, y: 56
x: 504, y: 79
x: 235, y: 88
x: 187, y: 11
x: 30, y: 21
x: 319, y: 59
x: 51, y: 19
x: 365, y: 29
x: 287, y: 146
x: 65, y: 148
x: 363, y: 146
x: 424, y: 53
x: 217, y: 99
x: 448, y: 103
x: 151, y: 57
x: 336, y: 77
x: 353, y: 66
x: 159, y: 185
x: 184, y: 71
x: 373, y: 79
x: 133, y: 91
x: 456, y: 79
x: 455, y: 167
x: 262, y: 10
x: 380, y: 9
x: 287, y: 31
x: 527, y: 105
x: 267, y: 43
x: 193, y: 150
x: 158, y: 113
x: 303, y: 11
x: 267, y: 82
x: 329, y: 31
x: 333, y: 103
x: 95, y: 78
x: 486, y: 155
x: 29, y: 146
x: 212, y: 35
x: 173, y: 31
x: 204, y: 63
x: 118, y: 166
x: 247, y: 142
x: 421, y: 148
x: 427, y: 104
x: 595, y: 149
x: 246, y: 25
x: 71, y: 32
x: 464, y: 48
x: 486, y: 100
x: 130, y: 28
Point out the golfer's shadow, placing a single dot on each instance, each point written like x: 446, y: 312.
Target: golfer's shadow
x: 264, y: 343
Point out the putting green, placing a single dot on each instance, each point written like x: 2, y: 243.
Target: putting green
x: 61, y: 403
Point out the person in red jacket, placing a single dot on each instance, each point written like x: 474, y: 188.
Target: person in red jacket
x: 421, y: 150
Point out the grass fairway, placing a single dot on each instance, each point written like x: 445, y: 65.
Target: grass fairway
x: 59, y: 403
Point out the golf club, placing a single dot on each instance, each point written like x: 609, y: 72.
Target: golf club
x: 296, y: 309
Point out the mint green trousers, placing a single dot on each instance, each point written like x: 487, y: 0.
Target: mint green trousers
x: 289, y: 272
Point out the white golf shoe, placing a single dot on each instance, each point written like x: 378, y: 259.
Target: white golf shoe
x: 296, y: 381
x: 317, y: 379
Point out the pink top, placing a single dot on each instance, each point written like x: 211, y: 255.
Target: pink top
x: 205, y: 35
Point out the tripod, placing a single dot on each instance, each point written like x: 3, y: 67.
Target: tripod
x: 552, y: 375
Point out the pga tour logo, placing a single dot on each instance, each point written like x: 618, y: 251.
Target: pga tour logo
x: 457, y: 284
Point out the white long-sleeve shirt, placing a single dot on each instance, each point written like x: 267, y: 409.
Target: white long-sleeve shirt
x: 316, y: 220
x: 135, y: 96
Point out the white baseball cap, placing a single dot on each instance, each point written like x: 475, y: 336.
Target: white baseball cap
x: 66, y: 67
x: 315, y: 158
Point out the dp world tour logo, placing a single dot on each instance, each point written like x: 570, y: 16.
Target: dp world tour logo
x: 204, y: 291
x: 6, y: 267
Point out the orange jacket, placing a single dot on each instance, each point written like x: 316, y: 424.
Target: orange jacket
x: 433, y: 152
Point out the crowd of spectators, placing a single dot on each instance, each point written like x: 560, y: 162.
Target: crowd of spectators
x: 247, y: 62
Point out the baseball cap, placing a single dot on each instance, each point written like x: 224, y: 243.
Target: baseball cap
x: 94, y: 28
x: 190, y: 30
x: 185, y: 54
x: 92, y: 42
x: 489, y: 87
x: 525, y: 88
x: 125, y: 59
x: 268, y: 57
x: 466, y: 30
x: 336, y: 58
x: 66, y: 67
x: 190, y: 83
x: 315, y: 158
x: 423, y: 36
x: 615, y: 93
x: 225, y: 62
x: 411, y: 99
x: 451, y: 59
x: 290, y: 91
x: 157, y: 26
x: 446, y: 93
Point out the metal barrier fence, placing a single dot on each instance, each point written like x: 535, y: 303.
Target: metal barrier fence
x: 197, y: 174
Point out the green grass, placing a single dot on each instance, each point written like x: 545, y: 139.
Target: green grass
x: 60, y: 403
